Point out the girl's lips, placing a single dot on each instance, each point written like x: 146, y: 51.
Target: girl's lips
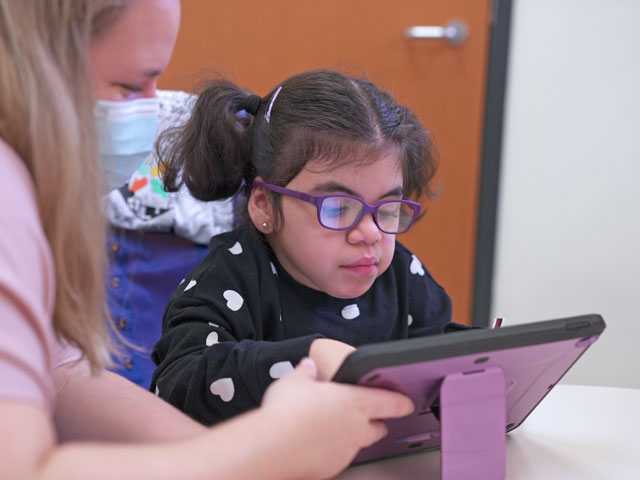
x: 362, y: 262
x: 363, y: 266
x: 362, y: 269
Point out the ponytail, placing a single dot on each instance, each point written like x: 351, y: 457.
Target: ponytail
x: 211, y: 153
x: 234, y: 136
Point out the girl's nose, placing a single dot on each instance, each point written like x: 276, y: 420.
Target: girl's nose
x: 365, y: 231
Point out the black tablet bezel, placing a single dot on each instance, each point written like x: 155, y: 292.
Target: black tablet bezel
x: 413, y: 350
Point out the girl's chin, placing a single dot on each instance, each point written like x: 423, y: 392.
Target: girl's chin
x: 350, y: 291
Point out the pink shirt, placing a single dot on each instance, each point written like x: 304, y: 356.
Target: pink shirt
x: 27, y: 290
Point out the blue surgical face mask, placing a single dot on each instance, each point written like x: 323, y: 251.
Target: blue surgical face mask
x: 126, y: 131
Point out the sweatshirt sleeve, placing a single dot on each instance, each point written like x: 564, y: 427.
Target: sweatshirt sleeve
x: 222, y: 342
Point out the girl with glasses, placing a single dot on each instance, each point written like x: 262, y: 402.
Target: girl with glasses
x: 324, y: 168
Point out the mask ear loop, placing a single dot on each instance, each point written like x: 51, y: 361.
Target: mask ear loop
x: 267, y: 116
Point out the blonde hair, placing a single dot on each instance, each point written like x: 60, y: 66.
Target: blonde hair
x: 46, y: 115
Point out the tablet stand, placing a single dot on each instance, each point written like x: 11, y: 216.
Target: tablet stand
x: 472, y: 425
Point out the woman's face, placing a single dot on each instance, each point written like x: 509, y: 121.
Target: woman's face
x: 130, y: 55
x: 343, y: 264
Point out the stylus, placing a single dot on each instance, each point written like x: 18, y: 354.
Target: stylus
x: 497, y: 323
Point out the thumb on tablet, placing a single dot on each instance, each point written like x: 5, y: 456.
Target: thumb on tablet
x: 385, y: 403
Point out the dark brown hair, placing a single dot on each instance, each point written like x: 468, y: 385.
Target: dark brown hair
x: 317, y: 115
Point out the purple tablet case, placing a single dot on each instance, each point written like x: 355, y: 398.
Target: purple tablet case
x: 469, y: 388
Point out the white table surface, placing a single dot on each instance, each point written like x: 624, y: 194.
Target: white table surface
x: 576, y: 432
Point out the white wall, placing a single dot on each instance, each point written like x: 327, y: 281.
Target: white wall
x: 568, y: 232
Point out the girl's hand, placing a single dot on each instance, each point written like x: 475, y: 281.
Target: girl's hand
x: 323, y: 425
x: 328, y: 355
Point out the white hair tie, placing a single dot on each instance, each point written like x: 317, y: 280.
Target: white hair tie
x: 267, y: 115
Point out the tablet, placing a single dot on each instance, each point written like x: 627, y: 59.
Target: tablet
x: 528, y: 359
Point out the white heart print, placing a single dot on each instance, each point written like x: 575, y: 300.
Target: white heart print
x: 350, y: 312
x: 416, y: 267
x: 234, y: 300
x: 157, y: 391
x: 273, y: 268
x: 279, y: 369
x: 224, y: 388
x: 236, y: 249
x: 212, y: 339
x: 190, y: 285
x: 409, y: 320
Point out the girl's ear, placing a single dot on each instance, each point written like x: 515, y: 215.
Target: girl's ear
x: 260, y: 209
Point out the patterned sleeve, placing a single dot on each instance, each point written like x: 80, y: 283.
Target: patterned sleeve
x: 222, y: 344
x: 429, y: 304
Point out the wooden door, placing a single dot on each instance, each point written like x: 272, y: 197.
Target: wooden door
x: 257, y: 43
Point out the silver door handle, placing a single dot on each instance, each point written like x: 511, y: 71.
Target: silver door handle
x: 455, y: 32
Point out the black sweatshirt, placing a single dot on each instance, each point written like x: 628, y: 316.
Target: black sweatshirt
x: 239, y: 321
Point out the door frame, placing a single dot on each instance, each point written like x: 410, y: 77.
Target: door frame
x: 491, y: 157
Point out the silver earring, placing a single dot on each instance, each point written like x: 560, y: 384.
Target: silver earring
x: 265, y: 225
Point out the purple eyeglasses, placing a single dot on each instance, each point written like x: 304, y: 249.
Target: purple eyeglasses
x: 342, y: 212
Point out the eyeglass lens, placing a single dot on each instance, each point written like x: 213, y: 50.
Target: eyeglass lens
x: 344, y: 212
